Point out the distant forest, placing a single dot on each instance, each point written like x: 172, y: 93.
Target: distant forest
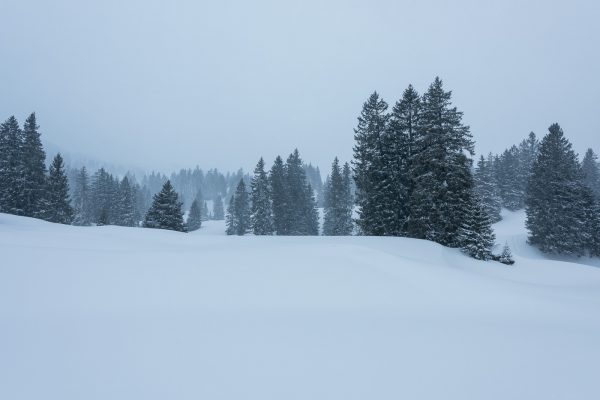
x: 413, y: 174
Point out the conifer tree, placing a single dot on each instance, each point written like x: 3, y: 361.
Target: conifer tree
x: 349, y: 198
x: 486, y: 189
x: 440, y: 169
x: 591, y: 172
x: 556, y: 198
x: 238, y: 218
x: 279, y: 197
x: 81, y: 199
x: 194, y: 219
x: 336, y: 211
x: 506, y: 256
x: 218, y: 210
x: 476, y: 236
x: 261, y: 210
x: 165, y: 212
x: 57, y: 204
x: 204, y: 211
x: 126, y: 204
x: 372, y: 124
x: 301, y: 217
x: 11, y: 168
x: 34, y: 168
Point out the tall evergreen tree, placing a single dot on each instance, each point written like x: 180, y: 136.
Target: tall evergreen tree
x: 301, y: 211
x: 486, y: 189
x: 57, y: 204
x: 261, y: 209
x: 591, y: 172
x: 337, y: 214
x: 165, y: 212
x: 34, y: 168
x: 204, y: 211
x: 218, y: 210
x: 476, y: 236
x: 125, y: 204
x: 81, y: 199
x: 11, y: 168
x: 194, y: 219
x: 279, y: 197
x: 440, y: 169
x: 372, y: 124
x: 556, y: 197
x: 349, y: 198
x: 238, y: 221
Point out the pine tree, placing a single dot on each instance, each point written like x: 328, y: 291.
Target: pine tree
x: 476, y: 236
x: 506, y: 174
x: 204, y: 211
x: 591, y: 172
x: 194, y: 219
x: 238, y: 218
x: 506, y: 256
x: 57, y: 204
x: 102, y: 217
x: 81, y: 199
x: 165, y: 212
x: 336, y: 211
x: 556, y: 197
x: 218, y: 210
x: 348, y: 226
x: 12, y: 200
x: 440, y: 169
x: 486, y: 189
x: 126, y: 204
x: 301, y: 217
x: 372, y: 124
x: 261, y: 210
x: 528, y: 151
x: 34, y: 168
x: 279, y: 197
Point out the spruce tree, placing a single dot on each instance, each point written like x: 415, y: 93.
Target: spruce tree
x: 34, y: 168
x: 506, y: 256
x: 279, y: 197
x: 486, y: 189
x: 372, y: 124
x: 348, y: 226
x: 204, y: 211
x: 57, y: 204
x: 556, y: 198
x: 476, y: 237
x: 301, y: 217
x: 218, y: 210
x: 440, y: 169
x: 165, y: 212
x: 336, y: 211
x: 81, y: 199
x: 591, y: 172
x: 125, y: 204
x: 194, y: 219
x: 12, y: 200
x: 238, y: 218
x: 261, y: 210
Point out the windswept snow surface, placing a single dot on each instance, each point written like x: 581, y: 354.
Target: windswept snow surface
x: 123, y: 313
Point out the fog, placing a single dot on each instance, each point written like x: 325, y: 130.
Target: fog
x: 171, y: 84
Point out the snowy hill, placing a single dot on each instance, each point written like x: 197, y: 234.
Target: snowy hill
x: 124, y: 313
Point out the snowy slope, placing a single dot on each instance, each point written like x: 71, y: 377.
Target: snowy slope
x: 123, y: 313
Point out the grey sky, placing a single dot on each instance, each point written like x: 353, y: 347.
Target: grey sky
x: 169, y: 84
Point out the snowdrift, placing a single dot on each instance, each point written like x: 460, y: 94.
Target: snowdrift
x: 125, y: 313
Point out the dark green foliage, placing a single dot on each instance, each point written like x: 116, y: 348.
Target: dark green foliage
x: 194, y: 219
x: 591, y: 172
x: 372, y: 124
x: 440, y: 169
x: 12, y: 177
x: 338, y: 206
x: 261, y: 210
x: 57, y: 206
x: 476, y: 237
x: 33, y: 169
x: 238, y: 212
x: 558, y: 201
x: 301, y: 209
x: 279, y: 197
x: 486, y: 188
x: 506, y: 256
x: 125, y: 206
x: 165, y: 212
x: 81, y: 199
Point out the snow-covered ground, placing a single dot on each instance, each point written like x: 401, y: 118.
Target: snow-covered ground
x: 123, y: 313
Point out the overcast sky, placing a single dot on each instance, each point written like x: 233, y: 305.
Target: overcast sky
x: 170, y: 84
